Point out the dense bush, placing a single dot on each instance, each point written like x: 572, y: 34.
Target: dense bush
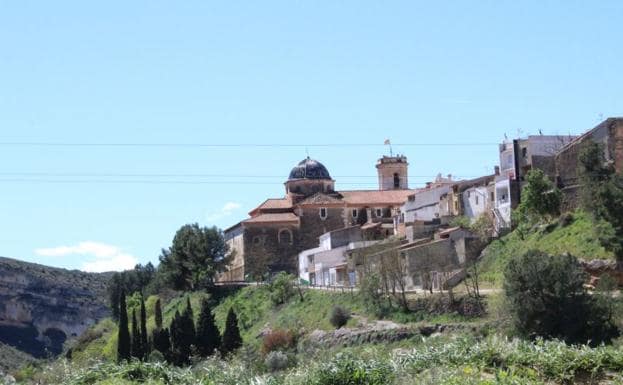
x: 339, y: 316
x: 276, y: 361
x: 281, y: 288
x: 547, y: 299
x: 278, y: 340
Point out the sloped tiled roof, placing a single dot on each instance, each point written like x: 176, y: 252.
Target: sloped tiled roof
x: 274, y: 204
x: 376, y: 197
x: 320, y: 198
x: 273, y: 218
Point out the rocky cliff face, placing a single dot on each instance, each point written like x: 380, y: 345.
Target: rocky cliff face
x: 41, y: 307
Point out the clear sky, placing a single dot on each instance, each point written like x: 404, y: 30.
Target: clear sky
x: 264, y: 72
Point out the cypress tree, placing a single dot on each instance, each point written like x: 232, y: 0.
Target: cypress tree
x: 144, y: 345
x: 231, y: 335
x: 179, y: 353
x: 137, y: 351
x: 123, y: 340
x: 208, y: 336
x: 158, y: 314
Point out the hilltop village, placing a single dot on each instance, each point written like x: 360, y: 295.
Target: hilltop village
x: 323, y: 235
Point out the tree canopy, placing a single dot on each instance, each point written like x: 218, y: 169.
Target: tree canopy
x: 196, y: 255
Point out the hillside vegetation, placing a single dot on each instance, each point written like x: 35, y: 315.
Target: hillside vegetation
x: 458, y: 356
x: 573, y: 234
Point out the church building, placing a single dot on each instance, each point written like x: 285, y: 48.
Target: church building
x: 280, y: 228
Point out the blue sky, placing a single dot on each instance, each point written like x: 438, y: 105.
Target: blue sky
x: 289, y: 72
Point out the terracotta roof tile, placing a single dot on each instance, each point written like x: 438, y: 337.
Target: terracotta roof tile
x: 379, y: 197
x: 273, y: 204
x: 273, y: 218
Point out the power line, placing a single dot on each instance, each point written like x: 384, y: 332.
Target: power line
x: 126, y: 181
x: 200, y: 175
x: 258, y: 145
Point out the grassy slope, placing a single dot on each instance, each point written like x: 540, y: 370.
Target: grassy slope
x: 255, y: 310
x: 252, y: 305
x: 577, y: 238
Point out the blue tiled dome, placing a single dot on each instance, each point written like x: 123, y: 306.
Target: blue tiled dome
x: 309, y: 169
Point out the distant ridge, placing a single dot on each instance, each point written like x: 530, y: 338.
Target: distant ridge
x: 41, y: 307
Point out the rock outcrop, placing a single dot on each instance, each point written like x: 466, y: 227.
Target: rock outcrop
x: 41, y: 307
x: 598, y: 267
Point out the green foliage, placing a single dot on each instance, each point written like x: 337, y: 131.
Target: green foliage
x: 339, y: 316
x: 547, y: 299
x: 347, y: 370
x: 276, y: 361
x: 601, y: 194
x: 281, y: 288
x: 461, y: 221
x: 231, y: 336
x: 137, y: 346
x: 574, y: 235
x: 540, y: 199
x: 158, y: 314
x: 124, y: 344
x: 370, y: 292
x: 144, y: 343
x: 182, y: 335
x: 195, y: 256
x: 208, y: 336
x: 130, y: 281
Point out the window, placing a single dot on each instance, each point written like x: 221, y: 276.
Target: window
x: 355, y: 213
x: 379, y: 213
x: 323, y: 213
x: 285, y: 236
x: 476, y: 200
x: 257, y: 240
x: 396, y: 180
x: 492, y: 197
x: 456, y: 205
x: 524, y: 152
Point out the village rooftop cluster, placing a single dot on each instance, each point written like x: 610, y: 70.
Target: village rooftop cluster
x: 331, y: 238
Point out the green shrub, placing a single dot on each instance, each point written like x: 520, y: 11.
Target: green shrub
x: 276, y: 361
x: 281, y: 288
x: 339, y: 316
x: 547, y: 299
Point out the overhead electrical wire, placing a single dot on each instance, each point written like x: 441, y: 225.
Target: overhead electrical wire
x: 259, y: 145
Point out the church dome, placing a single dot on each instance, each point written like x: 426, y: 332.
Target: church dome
x: 309, y: 169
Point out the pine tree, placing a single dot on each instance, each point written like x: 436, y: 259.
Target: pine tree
x: 137, y: 351
x: 123, y: 341
x: 231, y: 336
x: 144, y: 345
x: 158, y: 314
x: 208, y: 336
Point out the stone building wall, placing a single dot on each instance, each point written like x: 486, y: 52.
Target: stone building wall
x: 262, y: 244
x: 610, y: 134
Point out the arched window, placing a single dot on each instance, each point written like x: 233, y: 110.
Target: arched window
x: 396, y: 180
x: 285, y: 236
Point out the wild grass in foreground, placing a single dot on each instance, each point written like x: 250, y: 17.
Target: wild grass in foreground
x: 465, y: 360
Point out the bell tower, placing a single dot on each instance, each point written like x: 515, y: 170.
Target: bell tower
x: 393, y: 172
